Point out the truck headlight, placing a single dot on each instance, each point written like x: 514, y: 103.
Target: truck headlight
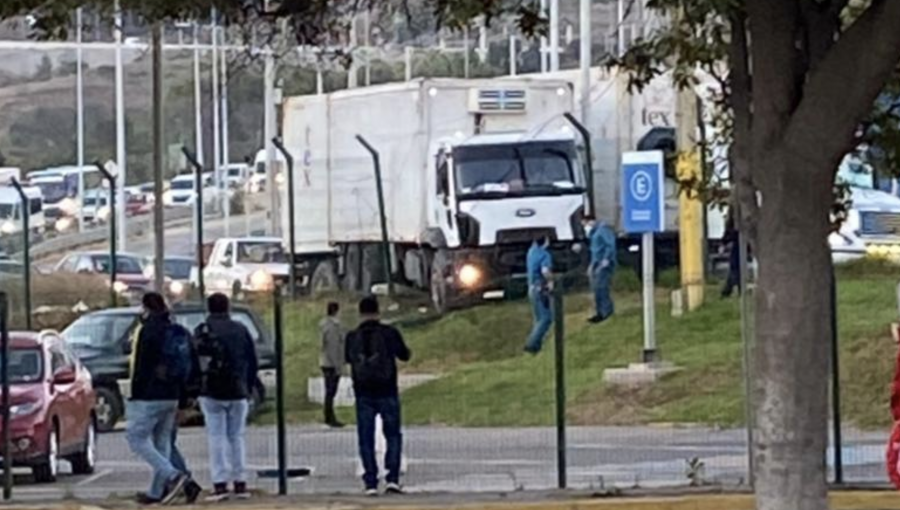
x: 104, y: 213
x: 167, y: 198
x: 63, y: 224
x: 8, y: 227
x: 261, y: 281
x: 469, y: 275
x: 120, y: 287
x: 176, y: 288
x: 68, y: 206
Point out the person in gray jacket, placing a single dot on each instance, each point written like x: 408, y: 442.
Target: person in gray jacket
x: 332, y: 359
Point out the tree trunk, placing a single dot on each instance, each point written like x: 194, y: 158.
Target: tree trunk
x: 791, y: 355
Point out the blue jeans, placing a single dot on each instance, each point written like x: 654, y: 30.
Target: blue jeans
x: 149, y: 434
x: 543, y: 318
x: 177, y: 460
x: 601, y: 279
x: 226, y: 422
x: 367, y: 409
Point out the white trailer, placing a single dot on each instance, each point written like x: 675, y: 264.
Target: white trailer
x: 472, y: 170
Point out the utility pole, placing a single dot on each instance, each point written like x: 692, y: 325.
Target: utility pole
x: 620, y: 27
x: 225, y: 158
x: 543, y: 49
x: 554, y: 35
x: 79, y: 120
x: 159, y: 250
x: 269, y: 130
x: 198, y: 112
x: 586, y: 58
x: 217, y: 131
x: 121, y: 156
x: 690, y: 203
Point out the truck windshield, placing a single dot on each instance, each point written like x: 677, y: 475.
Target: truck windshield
x: 7, y: 211
x: 25, y: 366
x: 52, y: 192
x: 856, y: 173
x: 534, y: 168
x: 260, y: 253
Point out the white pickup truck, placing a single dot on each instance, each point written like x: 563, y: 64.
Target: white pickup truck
x: 237, y: 266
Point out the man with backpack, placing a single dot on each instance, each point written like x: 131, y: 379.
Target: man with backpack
x: 372, y: 351
x: 161, y: 368
x: 228, y: 368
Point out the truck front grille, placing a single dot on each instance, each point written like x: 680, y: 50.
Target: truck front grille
x: 876, y: 223
x: 524, y: 235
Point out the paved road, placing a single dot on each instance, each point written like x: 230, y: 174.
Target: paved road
x: 471, y: 460
x: 180, y: 240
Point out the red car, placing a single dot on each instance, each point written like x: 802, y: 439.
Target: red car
x: 52, y: 407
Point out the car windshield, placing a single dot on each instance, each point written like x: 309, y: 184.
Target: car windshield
x: 91, y: 201
x: 25, y: 366
x: 234, y: 172
x: 124, y: 265
x: 52, y: 192
x: 97, y: 330
x: 183, y: 184
x: 178, y: 269
x: 545, y: 168
x: 11, y: 267
x: 7, y: 211
x: 261, y: 252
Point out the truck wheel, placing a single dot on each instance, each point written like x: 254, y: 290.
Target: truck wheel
x: 237, y: 294
x: 108, y: 408
x: 438, y: 284
x: 324, y: 278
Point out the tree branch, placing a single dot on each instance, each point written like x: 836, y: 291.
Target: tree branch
x: 842, y: 89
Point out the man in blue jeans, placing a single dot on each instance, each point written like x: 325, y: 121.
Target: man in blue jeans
x: 228, y: 367
x: 153, y: 406
x: 603, y: 264
x: 539, y: 264
x: 372, y: 351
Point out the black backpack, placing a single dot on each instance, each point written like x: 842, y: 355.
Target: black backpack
x: 373, y: 364
x: 215, y: 363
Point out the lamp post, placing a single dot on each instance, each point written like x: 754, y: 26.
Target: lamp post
x: 113, y: 257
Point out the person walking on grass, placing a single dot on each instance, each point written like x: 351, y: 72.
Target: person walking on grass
x: 539, y: 265
x: 228, y: 368
x: 372, y: 351
x: 331, y: 359
x: 603, y: 265
x: 160, y: 371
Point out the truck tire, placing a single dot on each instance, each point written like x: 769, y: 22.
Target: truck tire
x: 324, y: 278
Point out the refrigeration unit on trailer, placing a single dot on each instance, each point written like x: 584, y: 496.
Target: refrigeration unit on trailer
x: 473, y: 172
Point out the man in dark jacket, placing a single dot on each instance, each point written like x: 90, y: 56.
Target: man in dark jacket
x: 372, y: 351
x: 228, y: 366
x: 153, y: 406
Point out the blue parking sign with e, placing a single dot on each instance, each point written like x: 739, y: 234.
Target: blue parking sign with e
x: 643, y: 205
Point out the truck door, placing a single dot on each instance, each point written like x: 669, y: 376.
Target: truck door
x: 445, y: 205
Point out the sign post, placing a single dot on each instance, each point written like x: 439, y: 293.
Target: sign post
x: 643, y: 206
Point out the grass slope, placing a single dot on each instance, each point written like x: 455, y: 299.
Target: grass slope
x: 486, y: 379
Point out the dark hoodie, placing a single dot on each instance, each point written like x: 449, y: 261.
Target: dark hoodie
x: 148, y: 376
x: 228, y: 362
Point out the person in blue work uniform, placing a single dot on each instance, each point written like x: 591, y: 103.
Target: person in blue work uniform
x: 540, y: 285
x: 603, y: 265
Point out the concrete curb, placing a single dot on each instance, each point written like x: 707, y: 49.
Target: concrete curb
x: 849, y: 500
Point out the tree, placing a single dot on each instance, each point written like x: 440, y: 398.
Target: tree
x: 800, y: 81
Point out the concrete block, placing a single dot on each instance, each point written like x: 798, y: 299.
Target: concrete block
x: 637, y: 374
x: 315, y: 388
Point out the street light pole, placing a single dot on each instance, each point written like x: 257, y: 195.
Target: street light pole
x: 113, y: 257
x: 217, y: 131
x: 79, y: 115
x: 26, y: 253
x: 121, y: 156
x: 159, y: 250
x: 554, y: 35
x: 198, y: 211
x: 225, y: 158
x: 292, y: 227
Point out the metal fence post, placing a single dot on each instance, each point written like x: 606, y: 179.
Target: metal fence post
x: 385, y: 244
x: 4, y: 400
x: 198, y: 210
x: 559, y: 343
x: 113, y: 257
x: 279, y: 391
x: 836, y: 387
x: 26, y: 253
x: 292, y: 227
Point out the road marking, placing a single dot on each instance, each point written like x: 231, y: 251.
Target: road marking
x: 94, y: 478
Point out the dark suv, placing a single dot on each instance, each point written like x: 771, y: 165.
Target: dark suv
x: 102, y: 341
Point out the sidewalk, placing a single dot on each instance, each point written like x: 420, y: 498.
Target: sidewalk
x: 687, y: 500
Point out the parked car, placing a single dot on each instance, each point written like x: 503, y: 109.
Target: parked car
x: 52, y: 411
x: 102, y: 341
x: 130, y: 282
x: 137, y: 202
x: 180, y: 272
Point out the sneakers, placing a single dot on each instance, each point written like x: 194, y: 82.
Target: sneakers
x: 394, y: 489
x: 145, y: 500
x: 174, y: 488
x: 371, y: 492
x: 240, y: 490
x: 192, y: 491
x: 220, y: 493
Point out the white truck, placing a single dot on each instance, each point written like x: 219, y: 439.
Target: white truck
x: 473, y: 171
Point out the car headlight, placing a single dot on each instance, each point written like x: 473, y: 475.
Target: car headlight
x: 261, y: 280
x: 24, y: 409
x: 104, y: 213
x: 176, y: 288
x: 120, y: 287
x: 8, y: 227
x: 64, y: 224
x: 68, y: 206
x: 469, y: 275
x: 167, y: 198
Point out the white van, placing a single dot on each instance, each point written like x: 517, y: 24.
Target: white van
x: 259, y: 177
x: 182, y: 191
x: 11, y: 210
